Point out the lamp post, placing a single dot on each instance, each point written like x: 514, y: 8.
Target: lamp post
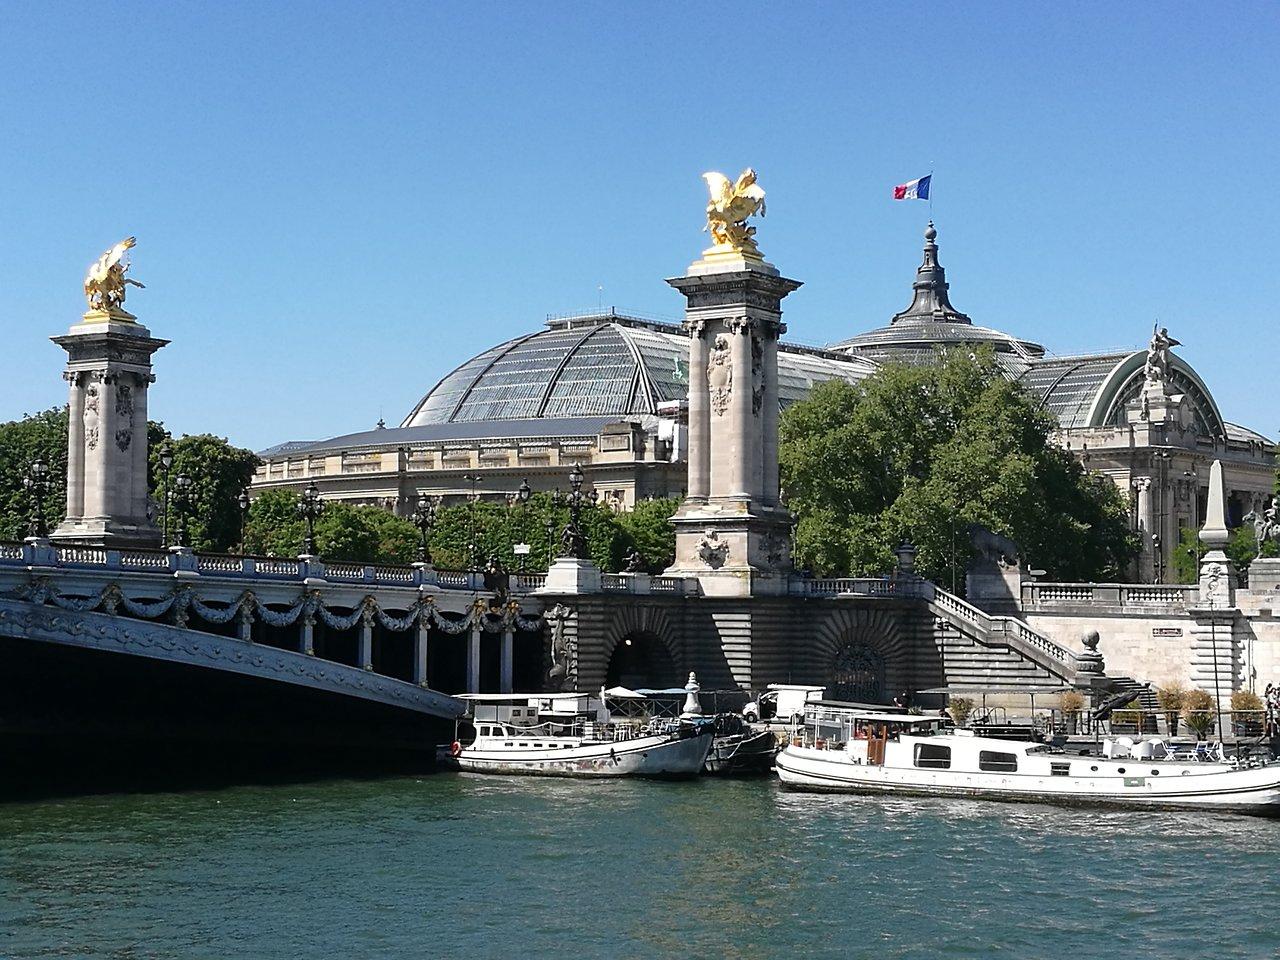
x: 514, y: 500
x: 473, y: 561
x: 166, y: 462
x: 424, y: 518
x: 243, y: 503
x: 550, y: 526
x: 37, y: 484
x: 574, y: 542
x: 182, y: 501
x: 309, y: 509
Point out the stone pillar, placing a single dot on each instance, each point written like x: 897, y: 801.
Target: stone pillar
x: 699, y: 453
x: 741, y: 452
x: 420, y: 638
x: 769, y: 413
x: 736, y: 542
x: 507, y: 661
x: 1215, y: 654
x: 365, y: 658
x: 109, y: 369
x: 75, y: 445
x: 306, y: 634
x: 245, y: 623
x: 473, y: 659
x: 1146, y: 520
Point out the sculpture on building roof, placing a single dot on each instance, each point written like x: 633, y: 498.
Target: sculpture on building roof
x: 104, y: 285
x: 730, y: 205
x: 1157, y: 368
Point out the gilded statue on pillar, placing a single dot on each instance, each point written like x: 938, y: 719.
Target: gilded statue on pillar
x: 105, y: 283
x: 731, y: 204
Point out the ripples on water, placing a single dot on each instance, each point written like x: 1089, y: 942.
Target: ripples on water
x: 463, y: 866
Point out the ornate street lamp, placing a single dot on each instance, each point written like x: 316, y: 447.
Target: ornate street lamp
x: 524, y: 491
x: 243, y: 503
x: 166, y: 462
x: 37, y: 484
x: 182, y: 500
x: 473, y: 553
x: 309, y: 509
x: 573, y: 542
x: 424, y: 518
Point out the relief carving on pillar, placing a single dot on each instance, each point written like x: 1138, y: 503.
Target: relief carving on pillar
x: 720, y: 375
x: 124, y: 411
x: 91, y: 403
x: 713, y: 551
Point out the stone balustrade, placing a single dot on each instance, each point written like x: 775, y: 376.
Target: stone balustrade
x: 1038, y: 596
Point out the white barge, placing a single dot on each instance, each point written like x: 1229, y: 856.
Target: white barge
x: 571, y: 735
x: 850, y: 750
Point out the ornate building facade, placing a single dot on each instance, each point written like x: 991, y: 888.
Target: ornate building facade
x: 609, y: 391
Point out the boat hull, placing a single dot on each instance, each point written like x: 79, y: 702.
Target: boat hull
x: 740, y: 756
x: 1219, y: 788
x: 658, y: 757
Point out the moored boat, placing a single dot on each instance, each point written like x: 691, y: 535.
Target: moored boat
x: 740, y: 750
x: 850, y: 750
x: 572, y: 735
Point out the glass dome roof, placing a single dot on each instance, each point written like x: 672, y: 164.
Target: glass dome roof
x: 597, y: 365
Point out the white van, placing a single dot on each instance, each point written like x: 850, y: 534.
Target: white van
x: 785, y: 701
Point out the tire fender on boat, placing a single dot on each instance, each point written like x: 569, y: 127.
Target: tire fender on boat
x: 455, y: 749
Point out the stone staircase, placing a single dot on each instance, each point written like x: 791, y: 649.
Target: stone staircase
x: 989, y: 650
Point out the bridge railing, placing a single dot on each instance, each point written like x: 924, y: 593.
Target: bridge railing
x: 183, y: 560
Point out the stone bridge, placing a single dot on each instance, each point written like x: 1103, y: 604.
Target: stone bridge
x: 287, y: 655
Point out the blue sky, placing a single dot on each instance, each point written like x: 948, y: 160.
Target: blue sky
x: 337, y: 203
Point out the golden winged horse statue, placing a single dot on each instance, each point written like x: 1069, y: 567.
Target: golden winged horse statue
x: 104, y: 285
x: 730, y: 206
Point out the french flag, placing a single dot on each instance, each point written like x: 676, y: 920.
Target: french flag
x: 913, y: 189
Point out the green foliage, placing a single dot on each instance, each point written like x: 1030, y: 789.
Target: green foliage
x: 649, y: 531
x: 1199, y: 711
x: 219, y: 473
x: 1172, y: 697
x: 921, y: 452
x: 346, y: 532
x: 40, y: 435
x: 960, y: 708
x: 1186, y: 556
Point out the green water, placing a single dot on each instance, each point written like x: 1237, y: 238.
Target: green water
x: 461, y: 866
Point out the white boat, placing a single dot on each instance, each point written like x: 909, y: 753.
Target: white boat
x: 850, y: 750
x: 571, y: 735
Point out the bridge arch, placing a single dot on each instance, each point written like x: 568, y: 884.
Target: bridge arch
x: 638, y: 649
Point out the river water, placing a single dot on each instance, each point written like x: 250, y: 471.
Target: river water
x: 466, y: 866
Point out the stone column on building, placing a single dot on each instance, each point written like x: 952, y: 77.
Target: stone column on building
x: 735, y: 540
x: 75, y: 445
x: 699, y: 452
x: 1145, y: 526
x: 109, y: 370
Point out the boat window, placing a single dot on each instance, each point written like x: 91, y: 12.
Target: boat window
x: 997, y: 762
x: 1059, y: 768
x: 508, y: 744
x: 933, y: 755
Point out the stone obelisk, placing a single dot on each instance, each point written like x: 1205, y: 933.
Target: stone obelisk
x: 732, y: 533
x: 109, y: 371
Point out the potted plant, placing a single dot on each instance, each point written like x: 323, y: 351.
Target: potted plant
x: 960, y: 709
x: 1172, y: 697
x: 1199, y: 711
x: 1127, y: 720
x: 1071, y: 703
x: 1246, y: 713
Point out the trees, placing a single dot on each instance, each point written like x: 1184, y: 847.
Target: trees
x: 218, y: 472
x: 920, y: 453
x: 648, y: 530
x: 40, y: 435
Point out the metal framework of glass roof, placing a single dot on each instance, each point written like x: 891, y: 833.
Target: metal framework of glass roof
x: 599, y: 365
